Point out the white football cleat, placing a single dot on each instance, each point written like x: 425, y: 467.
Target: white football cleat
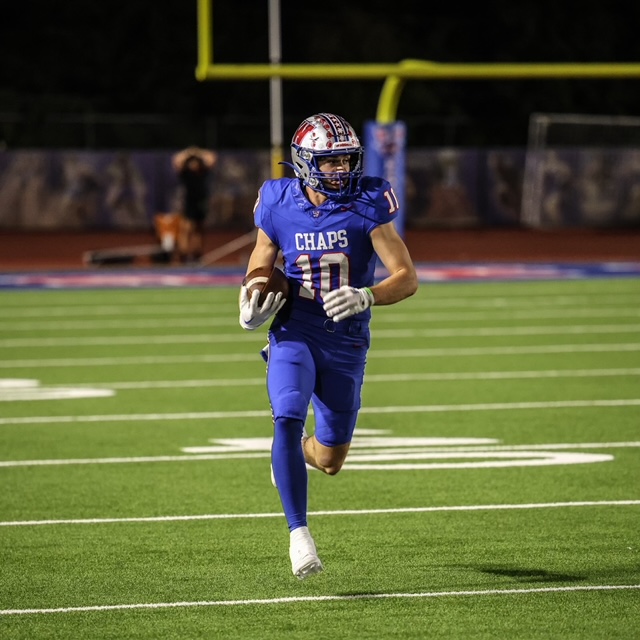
x: 303, y: 554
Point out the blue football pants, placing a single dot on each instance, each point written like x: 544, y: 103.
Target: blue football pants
x: 310, y: 365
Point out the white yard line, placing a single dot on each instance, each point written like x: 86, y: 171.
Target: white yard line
x: 336, y: 512
x: 262, y: 413
x: 371, y: 378
x: 14, y: 390
x: 528, y: 298
x: 391, y: 334
x: 374, y: 353
x: 380, y: 318
x: 329, y: 598
x: 119, y: 309
x: 358, y: 453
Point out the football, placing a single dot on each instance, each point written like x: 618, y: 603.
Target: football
x: 267, y: 280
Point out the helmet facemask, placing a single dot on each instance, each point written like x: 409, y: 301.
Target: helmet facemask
x: 324, y: 136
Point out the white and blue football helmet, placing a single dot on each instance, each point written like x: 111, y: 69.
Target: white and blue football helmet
x: 319, y: 136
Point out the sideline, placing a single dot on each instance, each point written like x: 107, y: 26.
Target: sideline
x: 436, y: 272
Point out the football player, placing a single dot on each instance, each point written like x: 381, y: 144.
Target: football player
x: 330, y: 223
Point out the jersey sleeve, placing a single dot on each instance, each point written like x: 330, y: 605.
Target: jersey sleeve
x: 262, y: 210
x: 380, y: 200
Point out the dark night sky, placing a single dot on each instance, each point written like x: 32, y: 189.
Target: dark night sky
x: 74, y: 59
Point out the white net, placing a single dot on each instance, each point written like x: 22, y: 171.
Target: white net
x: 582, y: 171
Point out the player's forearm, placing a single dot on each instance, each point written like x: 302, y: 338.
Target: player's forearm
x: 264, y: 253
x: 398, y: 286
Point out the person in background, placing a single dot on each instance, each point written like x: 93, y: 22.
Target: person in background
x: 193, y: 166
x: 330, y: 223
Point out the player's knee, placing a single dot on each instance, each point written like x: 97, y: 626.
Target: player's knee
x: 332, y: 470
x: 329, y: 462
x: 287, y: 432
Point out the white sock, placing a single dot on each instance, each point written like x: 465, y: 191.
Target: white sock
x: 299, y: 533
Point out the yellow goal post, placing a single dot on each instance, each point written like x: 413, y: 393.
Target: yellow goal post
x: 395, y: 74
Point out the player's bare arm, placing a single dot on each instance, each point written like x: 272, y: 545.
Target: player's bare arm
x: 264, y: 253
x: 402, y: 281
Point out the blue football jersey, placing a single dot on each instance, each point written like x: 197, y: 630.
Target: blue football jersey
x: 325, y: 247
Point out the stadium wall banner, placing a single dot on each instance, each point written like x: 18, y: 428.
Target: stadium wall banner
x: 436, y: 187
x: 385, y: 149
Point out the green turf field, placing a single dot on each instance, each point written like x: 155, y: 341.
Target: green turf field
x: 492, y: 491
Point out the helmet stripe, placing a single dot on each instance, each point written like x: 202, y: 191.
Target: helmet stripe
x: 337, y: 124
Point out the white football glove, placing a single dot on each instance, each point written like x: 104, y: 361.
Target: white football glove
x: 251, y: 314
x: 347, y: 301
